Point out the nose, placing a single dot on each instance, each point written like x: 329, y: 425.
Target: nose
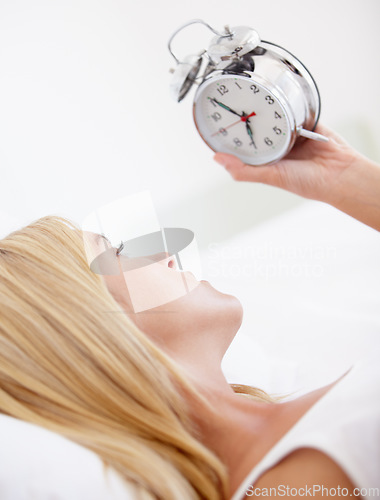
x: 165, y: 259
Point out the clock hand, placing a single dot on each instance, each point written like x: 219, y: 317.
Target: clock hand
x: 245, y: 117
x: 248, y: 128
x: 225, y: 128
x: 225, y: 107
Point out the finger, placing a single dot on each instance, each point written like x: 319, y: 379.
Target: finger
x: 322, y: 129
x: 267, y: 174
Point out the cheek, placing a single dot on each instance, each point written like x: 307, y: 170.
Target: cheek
x: 156, y: 285
x: 117, y: 287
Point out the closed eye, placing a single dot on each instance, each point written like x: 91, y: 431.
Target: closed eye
x: 105, y: 238
x: 119, y: 248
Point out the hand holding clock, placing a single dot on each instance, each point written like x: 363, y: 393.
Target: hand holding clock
x: 331, y: 172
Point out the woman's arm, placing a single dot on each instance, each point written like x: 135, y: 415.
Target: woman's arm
x: 305, y: 472
x: 361, y: 196
x: 331, y: 172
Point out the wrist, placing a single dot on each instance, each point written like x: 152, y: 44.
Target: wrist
x: 358, y: 192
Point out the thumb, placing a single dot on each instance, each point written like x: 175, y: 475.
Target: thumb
x: 266, y: 174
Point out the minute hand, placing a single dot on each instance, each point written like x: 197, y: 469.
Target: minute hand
x: 226, y: 107
x: 249, y: 132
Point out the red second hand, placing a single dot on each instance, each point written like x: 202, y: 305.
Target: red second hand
x: 225, y: 128
x: 242, y: 119
x: 245, y: 118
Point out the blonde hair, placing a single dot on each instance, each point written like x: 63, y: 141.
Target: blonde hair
x: 69, y: 364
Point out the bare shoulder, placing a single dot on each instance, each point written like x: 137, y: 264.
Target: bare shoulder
x: 304, y: 472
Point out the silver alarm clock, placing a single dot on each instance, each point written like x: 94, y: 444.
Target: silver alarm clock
x: 254, y: 98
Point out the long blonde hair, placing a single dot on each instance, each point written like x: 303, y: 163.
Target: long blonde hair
x: 69, y: 365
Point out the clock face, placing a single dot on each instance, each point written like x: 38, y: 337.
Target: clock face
x: 240, y: 116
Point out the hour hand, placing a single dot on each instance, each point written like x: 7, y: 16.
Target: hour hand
x: 224, y: 106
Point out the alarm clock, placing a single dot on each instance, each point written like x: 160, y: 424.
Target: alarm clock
x: 254, y: 99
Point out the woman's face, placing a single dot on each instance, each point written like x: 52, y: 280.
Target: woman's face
x: 173, y: 304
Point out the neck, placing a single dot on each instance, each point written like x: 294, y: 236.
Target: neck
x: 203, y: 367
x: 231, y: 425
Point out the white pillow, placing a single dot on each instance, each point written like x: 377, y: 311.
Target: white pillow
x: 42, y: 465
x: 9, y: 223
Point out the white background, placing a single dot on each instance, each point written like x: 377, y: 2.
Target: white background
x: 86, y: 116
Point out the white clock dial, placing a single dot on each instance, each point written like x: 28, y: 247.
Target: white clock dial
x: 240, y: 116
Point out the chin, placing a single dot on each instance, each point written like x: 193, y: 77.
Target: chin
x: 222, y: 307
